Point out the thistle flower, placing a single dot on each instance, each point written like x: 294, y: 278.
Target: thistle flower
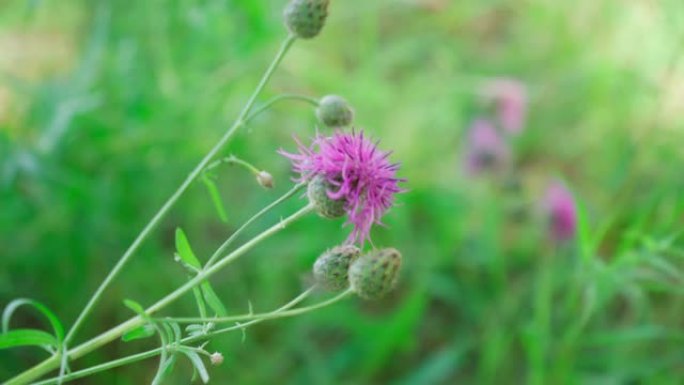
x: 486, y: 149
x: 306, y: 18
x: 510, y: 100
x: 560, y: 209
x: 355, y: 171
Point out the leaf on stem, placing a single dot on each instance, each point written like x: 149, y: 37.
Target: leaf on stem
x: 197, y: 363
x: 213, y: 300
x: 54, y: 321
x: 165, y: 369
x: 27, y: 337
x: 185, y: 251
x: 215, y: 197
x: 140, y: 332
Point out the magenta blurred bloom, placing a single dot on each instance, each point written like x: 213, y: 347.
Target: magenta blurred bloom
x: 559, y: 205
x: 486, y: 149
x: 356, y: 171
x: 510, y: 99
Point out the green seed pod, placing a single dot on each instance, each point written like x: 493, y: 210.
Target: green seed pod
x: 376, y: 273
x: 334, y: 111
x: 305, y: 18
x: 331, y: 268
x: 318, y: 196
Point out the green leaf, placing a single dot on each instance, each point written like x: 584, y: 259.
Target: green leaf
x: 215, y: 197
x: 54, y: 321
x: 136, y: 307
x: 200, y: 302
x: 197, y: 364
x: 140, y: 332
x: 185, y: 251
x: 165, y: 369
x: 26, y: 337
x: 213, y: 300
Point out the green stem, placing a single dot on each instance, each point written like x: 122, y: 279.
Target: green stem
x: 116, y: 332
x: 235, y: 160
x: 222, y: 249
x: 249, y: 317
x: 281, y: 312
x: 240, y: 121
x: 268, y: 104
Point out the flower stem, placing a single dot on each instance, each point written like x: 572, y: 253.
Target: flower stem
x: 116, y: 332
x: 279, y: 313
x: 240, y: 121
x: 222, y: 249
x: 268, y: 104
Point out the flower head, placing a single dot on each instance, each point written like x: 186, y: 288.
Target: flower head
x: 486, y: 149
x: 559, y: 206
x: 356, y: 171
x: 510, y: 100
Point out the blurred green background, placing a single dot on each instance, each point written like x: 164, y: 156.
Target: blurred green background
x: 105, y: 106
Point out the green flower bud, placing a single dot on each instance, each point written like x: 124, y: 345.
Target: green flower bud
x: 376, y: 273
x: 305, y: 18
x: 334, y: 111
x: 331, y: 268
x: 318, y: 196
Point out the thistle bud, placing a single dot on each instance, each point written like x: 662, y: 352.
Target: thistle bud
x: 332, y: 267
x: 305, y: 18
x: 334, y: 111
x: 375, y: 274
x: 216, y: 358
x: 318, y: 196
x: 265, y: 179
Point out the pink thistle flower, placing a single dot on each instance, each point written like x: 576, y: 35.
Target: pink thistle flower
x: 510, y: 99
x: 357, y: 173
x: 559, y: 206
x: 486, y: 149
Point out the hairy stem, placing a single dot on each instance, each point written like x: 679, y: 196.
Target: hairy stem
x: 280, y: 312
x: 116, y: 332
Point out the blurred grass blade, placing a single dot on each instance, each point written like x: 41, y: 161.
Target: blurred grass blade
x: 27, y: 337
x: 201, y: 307
x: 144, y: 331
x: 185, y: 251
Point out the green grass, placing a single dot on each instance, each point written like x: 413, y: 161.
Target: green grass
x: 111, y: 103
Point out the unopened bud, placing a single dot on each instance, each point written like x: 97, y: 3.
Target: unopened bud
x: 376, y: 273
x: 305, y: 18
x: 318, y: 196
x: 334, y: 111
x: 216, y: 358
x: 265, y: 179
x: 331, y: 269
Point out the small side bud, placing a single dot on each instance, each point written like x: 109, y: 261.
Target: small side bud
x: 306, y: 18
x: 265, y: 179
x: 332, y: 267
x: 318, y: 196
x: 376, y: 273
x: 216, y: 358
x: 335, y: 111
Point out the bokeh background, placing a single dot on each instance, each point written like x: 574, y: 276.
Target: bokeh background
x: 105, y: 106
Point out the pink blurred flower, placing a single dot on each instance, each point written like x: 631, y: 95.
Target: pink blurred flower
x: 486, y: 149
x: 362, y: 174
x: 559, y: 206
x: 510, y: 99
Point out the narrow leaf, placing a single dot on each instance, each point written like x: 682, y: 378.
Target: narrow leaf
x: 200, y: 302
x: 136, y: 307
x: 197, y: 364
x: 26, y: 337
x: 185, y: 251
x: 12, y: 306
x: 213, y: 300
x: 165, y: 369
x: 215, y: 197
x: 144, y: 331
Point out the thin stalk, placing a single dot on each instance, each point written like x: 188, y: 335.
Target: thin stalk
x: 235, y: 160
x: 176, y: 195
x: 268, y: 104
x: 222, y: 249
x: 116, y: 332
x: 151, y: 353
